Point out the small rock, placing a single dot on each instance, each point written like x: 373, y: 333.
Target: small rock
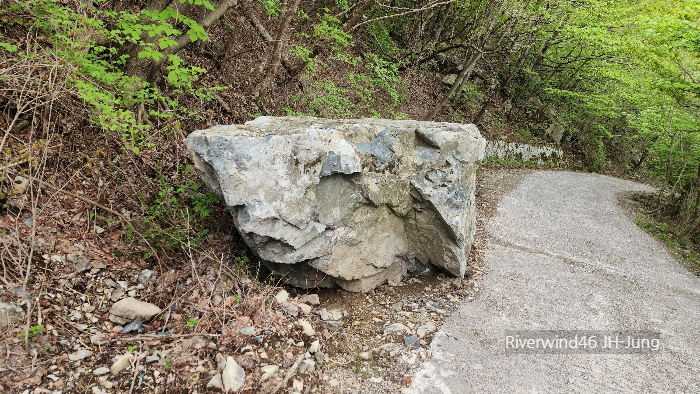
x: 268, y: 371
x: 99, y: 230
x: 220, y: 362
x: 333, y: 324
x: 147, y: 276
x: 397, y: 307
x: 305, y: 309
x: 79, y: 355
x: 150, y: 359
x: 282, y: 297
x: 298, y: 386
x: 20, y: 185
x: 136, y: 325
x: 82, y: 264
x: 310, y: 299
x: 406, y: 380
x: 100, y: 371
x: 323, y: 313
x: 247, y: 330
x: 9, y: 313
x: 121, y: 364
x: 307, y: 366
x: 315, y: 345
x: 336, y: 314
x: 128, y: 309
x: 397, y: 327
x: 334, y: 382
x: 307, y: 328
x: 215, y: 382
x: 233, y: 376
x: 290, y: 309
x: 365, y: 356
x: 411, y: 341
x: 97, y: 390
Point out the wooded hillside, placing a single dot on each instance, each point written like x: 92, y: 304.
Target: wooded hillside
x: 118, y: 84
x: 96, y: 98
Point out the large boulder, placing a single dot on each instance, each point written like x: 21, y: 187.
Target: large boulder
x: 353, y: 203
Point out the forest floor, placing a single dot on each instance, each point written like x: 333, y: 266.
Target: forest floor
x: 212, y: 305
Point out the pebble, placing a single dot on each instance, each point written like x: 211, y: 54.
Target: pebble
x: 79, y: 355
x: 117, y: 294
x: 310, y: 299
x: 305, y: 309
x: 298, y: 386
x: 233, y: 376
x: 307, y: 366
x: 365, y: 356
x: 150, y: 359
x: 397, y: 327
x: 82, y: 264
x: 323, y: 313
x: 290, y: 309
x: 282, y: 297
x: 220, y: 362
x: 268, y: 371
x: 336, y: 314
x: 136, y: 325
x: 128, y: 309
x: 121, y: 364
x: 315, y: 345
x: 215, y: 382
x: 307, y: 328
x: 247, y: 330
x: 411, y: 341
x: 100, y: 371
x: 334, y: 382
x: 147, y: 276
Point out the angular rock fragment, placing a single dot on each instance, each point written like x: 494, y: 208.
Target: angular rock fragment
x: 9, y: 313
x: 349, y: 203
x: 128, y: 309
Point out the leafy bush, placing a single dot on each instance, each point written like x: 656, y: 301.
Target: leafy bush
x: 177, y: 207
x: 89, y: 43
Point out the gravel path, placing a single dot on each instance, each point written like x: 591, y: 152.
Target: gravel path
x: 562, y: 255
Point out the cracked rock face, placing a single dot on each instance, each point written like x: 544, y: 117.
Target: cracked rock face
x: 349, y: 203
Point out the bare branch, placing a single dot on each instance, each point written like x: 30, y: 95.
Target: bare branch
x: 433, y: 5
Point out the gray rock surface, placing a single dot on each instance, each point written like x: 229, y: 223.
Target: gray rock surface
x: 349, y: 203
x: 563, y: 255
x: 9, y: 313
x: 147, y: 276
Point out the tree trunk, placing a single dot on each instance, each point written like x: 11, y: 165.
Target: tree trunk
x: 146, y: 68
x: 269, y: 66
x: 458, y: 82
